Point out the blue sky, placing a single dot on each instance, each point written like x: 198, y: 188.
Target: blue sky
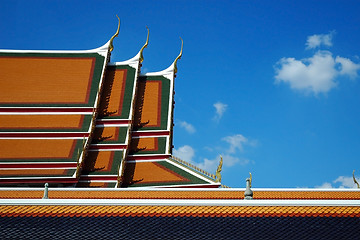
x: 272, y: 86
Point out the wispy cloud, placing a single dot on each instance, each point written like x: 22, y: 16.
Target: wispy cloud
x: 340, y: 182
x: 209, y: 165
x: 325, y: 185
x: 220, y: 109
x: 185, y: 153
x: 347, y: 67
x: 345, y: 182
x: 231, y: 153
x: 187, y: 126
x: 317, y: 40
x: 236, y: 142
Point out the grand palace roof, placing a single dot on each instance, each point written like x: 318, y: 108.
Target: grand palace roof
x: 86, y: 151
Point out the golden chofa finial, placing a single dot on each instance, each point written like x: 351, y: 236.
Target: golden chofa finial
x: 356, y: 182
x: 218, y: 170
x: 178, y: 57
x: 145, y: 45
x: 111, y: 47
x: 250, y: 178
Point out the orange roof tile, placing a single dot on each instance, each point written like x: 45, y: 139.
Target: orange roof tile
x: 172, y: 211
x: 177, y: 194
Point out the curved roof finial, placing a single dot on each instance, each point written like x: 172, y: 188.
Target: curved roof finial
x: 356, y: 182
x: 111, y: 47
x: 145, y: 45
x: 250, y: 178
x: 178, y: 57
x: 218, y: 170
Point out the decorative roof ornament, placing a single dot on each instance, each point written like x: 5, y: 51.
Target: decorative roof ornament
x: 178, y: 57
x: 80, y: 155
x: 355, y: 181
x: 250, y: 178
x: 46, y: 191
x: 145, y: 45
x: 218, y: 170
x: 111, y: 46
x: 248, y: 192
x: 119, y: 178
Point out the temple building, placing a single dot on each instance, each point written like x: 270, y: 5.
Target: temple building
x: 86, y: 150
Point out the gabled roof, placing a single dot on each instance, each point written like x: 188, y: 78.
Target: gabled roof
x: 103, y: 167
x: 47, y: 102
x: 71, y: 118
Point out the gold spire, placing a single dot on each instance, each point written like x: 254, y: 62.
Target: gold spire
x: 218, y: 170
x: 178, y: 57
x: 356, y: 182
x: 250, y: 178
x: 111, y: 47
x: 145, y: 45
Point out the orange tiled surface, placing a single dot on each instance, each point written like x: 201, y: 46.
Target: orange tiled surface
x: 152, y: 172
x: 32, y: 172
x: 113, y: 92
x: 110, y: 194
x: 99, y: 161
x: 32, y: 83
x: 149, y: 144
x: 150, y: 101
x: 182, y: 211
x: 106, y: 133
x: 41, y: 121
x: 36, y: 148
x: 306, y: 195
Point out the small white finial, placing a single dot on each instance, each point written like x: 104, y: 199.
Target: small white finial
x: 46, y: 190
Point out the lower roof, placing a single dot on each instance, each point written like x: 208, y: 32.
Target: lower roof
x: 181, y: 193
x: 179, y: 214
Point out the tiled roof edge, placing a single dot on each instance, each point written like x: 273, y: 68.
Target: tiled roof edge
x: 178, y: 202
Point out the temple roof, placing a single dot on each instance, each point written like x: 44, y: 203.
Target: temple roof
x: 105, y: 131
x: 47, y: 102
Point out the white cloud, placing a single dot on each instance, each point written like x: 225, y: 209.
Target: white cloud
x: 230, y: 161
x: 347, y: 67
x: 236, y: 142
x: 316, y: 74
x: 187, y: 126
x: 324, y: 185
x: 317, y: 40
x: 220, y: 110
x: 230, y: 154
x: 185, y: 153
x: 345, y: 182
x: 340, y: 182
x: 209, y: 165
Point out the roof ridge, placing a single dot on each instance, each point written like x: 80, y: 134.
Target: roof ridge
x: 193, y: 167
